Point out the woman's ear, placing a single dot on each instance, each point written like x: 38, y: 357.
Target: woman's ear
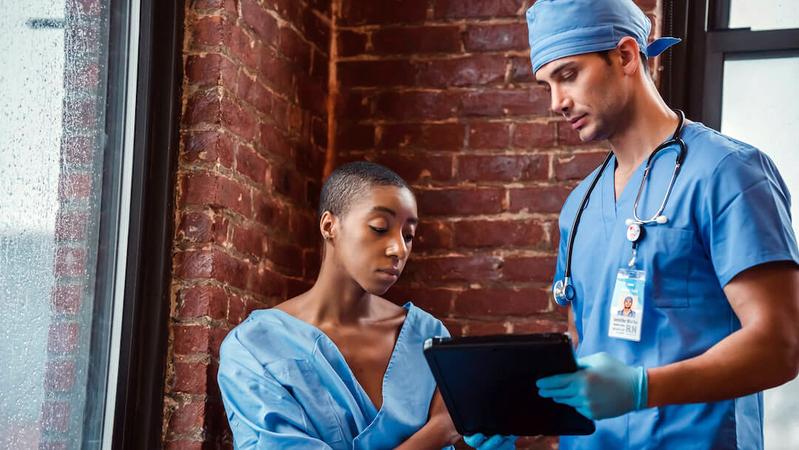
x: 630, y: 55
x: 327, y: 225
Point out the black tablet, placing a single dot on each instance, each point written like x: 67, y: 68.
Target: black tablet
x: 488, y: 383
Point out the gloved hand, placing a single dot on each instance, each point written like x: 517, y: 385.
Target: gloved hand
x: 496, y: 442
x: 604, y: 387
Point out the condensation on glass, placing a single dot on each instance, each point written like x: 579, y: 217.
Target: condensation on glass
x: 52, y: 101
x: 760, y: 106
x: 764, y: 14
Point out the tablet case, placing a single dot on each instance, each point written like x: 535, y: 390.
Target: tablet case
x: 488, y: 383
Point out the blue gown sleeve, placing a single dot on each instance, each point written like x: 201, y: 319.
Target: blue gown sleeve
x: 262, y: 413
x: 746, y: 215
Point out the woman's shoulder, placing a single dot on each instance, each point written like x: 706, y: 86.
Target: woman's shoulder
x: 270, y: 334
x: 424, y: 322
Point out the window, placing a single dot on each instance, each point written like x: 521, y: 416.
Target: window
x: 737, y: 73
x: 87, y: 163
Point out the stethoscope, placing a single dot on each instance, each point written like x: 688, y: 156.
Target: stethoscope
x: 563, y: 289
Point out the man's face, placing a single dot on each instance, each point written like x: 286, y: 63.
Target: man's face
x: 628, y: 303
x: 587, y: 91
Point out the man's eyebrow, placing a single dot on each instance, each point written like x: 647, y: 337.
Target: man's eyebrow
x: 562, y: 67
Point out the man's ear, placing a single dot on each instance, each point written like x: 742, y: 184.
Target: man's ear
x: 630, y: 55
x: 327, y: 225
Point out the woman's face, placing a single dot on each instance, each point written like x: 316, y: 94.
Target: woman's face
x: 374, y: 238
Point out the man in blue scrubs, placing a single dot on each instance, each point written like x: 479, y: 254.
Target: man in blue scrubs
x: 714, y: 273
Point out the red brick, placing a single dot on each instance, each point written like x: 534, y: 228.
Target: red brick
x: 277, y: 73
x: 521, y: 71
x: 238, y: 121
x: 229, y: 5
x: 208, y: 189
x: 497, y: 233
x: 461, y: 201
x: 489, y: 135
x: 185, y: 444
x: 62, y: 337
x: 471, y: 9
x: 81, y: 74
x: 209, y: 31
x: 501, y: 302
x: 77, y: 150
x: 477, y: 70
x: 250, y: 164
x: 269, y: 213
x: 578, y: 166
x: 487, y: 326
x: 244, y: 47
x: 71, y: 226
x: 187, y: 418
x: 431, y: 137
x: 295, y: 49
x: 503, y: 167
x: 203, y: 107
x: 540, y: 326
x: 415, y: 40
x: 211, y: 264
x: 236, y: 310
x: 350, y: 136
x: 273, y: 141
x: 433, y: 235
x: 454, y: 268
x: 357, y: 12
x: 351, y: 43
x: 286, y: 255
x: 190, y: 339
x: 74, y: 186
x: 305, y: 226
x: 210, y: 69
x: 55, y: 416
x: 202, y: 227
x: 249, y: 240
x: 264, y: 25
x: 201, y: 301
x: 418, y: 168
x: 512, y: 36
x: 85, y: 7
x: 66, y: 298
x: 538, y: 199
x: 533, y: 135
x: 70, y: 262
x: 251, y: 91
x: 355, y: 105
x: 286, y: 181
x: 417, y: 105
x: 373, y: 73
x: 320, y: 65
x: 316, y: 30
x: 265, y: 282
x: 437, y: 302
x: 529, y: 268
x: 59, y: 376
x: 208, y: 146
x: 498, y: 103
x: 191, y: 378
x: 79, y: 114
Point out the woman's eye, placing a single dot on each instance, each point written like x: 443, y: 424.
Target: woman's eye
x: 378, y: 230
x: 408, y: 237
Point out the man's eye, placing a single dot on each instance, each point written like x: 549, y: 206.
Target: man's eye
x: 568, y: 75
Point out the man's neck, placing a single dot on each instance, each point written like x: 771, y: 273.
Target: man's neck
x: 647, y: 123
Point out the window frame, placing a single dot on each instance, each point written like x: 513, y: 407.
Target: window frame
x: 693, y: 74
x: 134, y: 405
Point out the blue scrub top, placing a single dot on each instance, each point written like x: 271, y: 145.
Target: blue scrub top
x: 285, y: 384
x: 729, y: 211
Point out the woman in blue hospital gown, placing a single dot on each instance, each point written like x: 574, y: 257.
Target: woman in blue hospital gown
x: 339, y: 367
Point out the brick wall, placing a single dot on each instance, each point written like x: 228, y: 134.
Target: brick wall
x: 439, y: 90
x: 253, y: 139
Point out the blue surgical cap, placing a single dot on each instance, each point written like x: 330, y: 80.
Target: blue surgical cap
x: 561, y: 28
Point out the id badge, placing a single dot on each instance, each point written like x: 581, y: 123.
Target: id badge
x: 627, y: 305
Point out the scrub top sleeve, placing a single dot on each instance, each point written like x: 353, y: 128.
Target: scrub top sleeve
x: 746, y: 215
x: 261, y: 412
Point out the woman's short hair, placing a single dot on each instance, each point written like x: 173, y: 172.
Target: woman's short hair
x: 350, y: 181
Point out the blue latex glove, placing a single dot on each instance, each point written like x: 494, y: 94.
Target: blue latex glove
x: 603, y: 387
x: 496, y: 442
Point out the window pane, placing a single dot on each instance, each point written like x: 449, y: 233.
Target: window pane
x: 760, y: 106
x: 764, y: 14
x: 52, y: 82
